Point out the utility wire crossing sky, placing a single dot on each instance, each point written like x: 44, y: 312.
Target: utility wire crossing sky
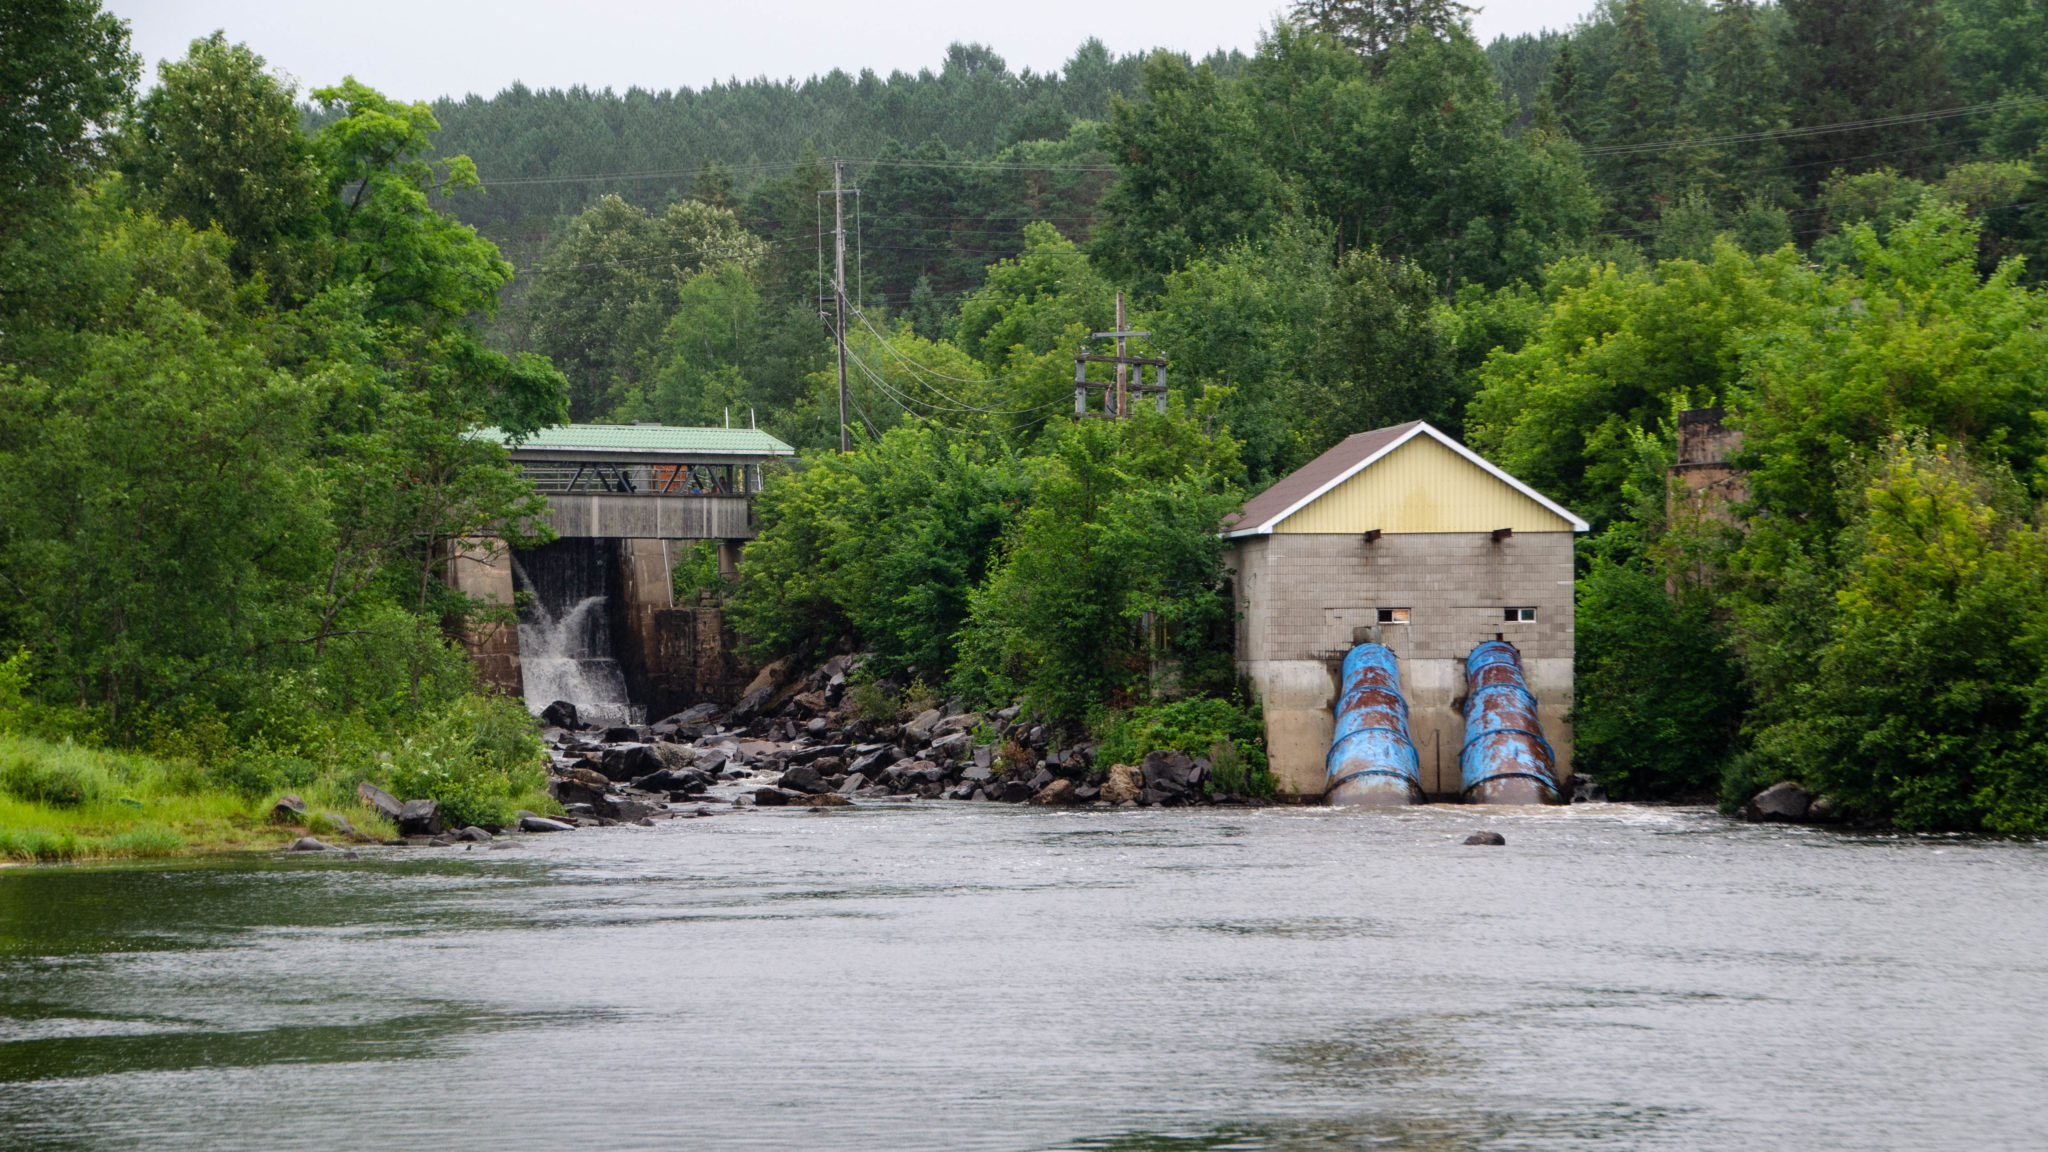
x: 425, y: 50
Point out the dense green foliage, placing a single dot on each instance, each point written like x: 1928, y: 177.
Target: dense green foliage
x: 1867, y: 619
x: 242, y: 341
x: 240, y: 365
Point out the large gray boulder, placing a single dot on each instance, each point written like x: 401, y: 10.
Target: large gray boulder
x: 419, y: 818
x: 386, y: 804
x: 543, y: 824
x: 804, y: 778
x: 1782, y: 803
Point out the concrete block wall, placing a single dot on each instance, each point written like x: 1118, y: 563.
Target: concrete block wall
x: 1301, y: 596
x: 483, y: 569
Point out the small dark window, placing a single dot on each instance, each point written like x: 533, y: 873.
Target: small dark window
x: 1518, y: 614
x: 1393, y: 615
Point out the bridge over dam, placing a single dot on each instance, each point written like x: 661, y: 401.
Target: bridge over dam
x: 600, y: 624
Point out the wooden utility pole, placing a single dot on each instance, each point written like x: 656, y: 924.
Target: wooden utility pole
x: 839, y: 293
x: 1123, y: 395
x: 1116, y: 399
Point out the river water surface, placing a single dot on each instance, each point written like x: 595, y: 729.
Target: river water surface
x: 956, y: 976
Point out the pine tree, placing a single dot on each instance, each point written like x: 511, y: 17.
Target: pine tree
x: 1562, y: 106
x: 713, y: 186
x: 1859, y: 60
x: 1370, y: 27
x: 1639, y: 110
x: 1745, y: 96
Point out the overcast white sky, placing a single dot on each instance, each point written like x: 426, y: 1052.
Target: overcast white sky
x: 420, y: 49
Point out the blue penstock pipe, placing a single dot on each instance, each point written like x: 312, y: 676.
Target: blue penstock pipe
x: 1505, y: 759
x: 1372, y: 758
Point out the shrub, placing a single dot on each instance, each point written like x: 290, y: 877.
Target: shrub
x: 1232, y: 736
x: 874, y: 701
x: 473, y: 760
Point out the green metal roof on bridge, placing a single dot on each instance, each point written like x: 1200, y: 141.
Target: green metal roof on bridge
x: 648, y: 438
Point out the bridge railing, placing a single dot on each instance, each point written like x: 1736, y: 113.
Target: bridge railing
x: 605, y: 477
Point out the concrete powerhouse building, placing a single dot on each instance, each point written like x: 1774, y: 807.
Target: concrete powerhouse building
x: 1408, y: 531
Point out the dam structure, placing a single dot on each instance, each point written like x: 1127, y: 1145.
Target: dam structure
x: 599, y: 622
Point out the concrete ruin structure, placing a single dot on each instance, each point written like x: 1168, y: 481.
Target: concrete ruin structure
x: 626, y: 503
x: 1404, y: 536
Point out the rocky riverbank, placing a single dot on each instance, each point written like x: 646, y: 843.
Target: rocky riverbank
x: 794, y: 744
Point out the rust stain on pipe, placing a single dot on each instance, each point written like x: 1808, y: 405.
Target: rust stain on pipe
x: 1372, y: 758
x: 1505, y: 760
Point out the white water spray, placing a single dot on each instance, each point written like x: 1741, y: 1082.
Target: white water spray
x: 568, y: 657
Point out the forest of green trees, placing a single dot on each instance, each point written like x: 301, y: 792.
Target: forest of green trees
x: 1828, y: 216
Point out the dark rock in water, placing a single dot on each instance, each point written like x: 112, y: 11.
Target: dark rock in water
x: 624, y: 734
x: 570, y: 791
x: 1086, y: 794
x: 670, y: 780
x: 1015, y: 791
x: 474, y: 835
x: 804, y: 778
x: 543, y: 824
x: 629, y: 761
x: 308, y: 844
x: 825, y: 800
x: 1486, y: 838
x: 1174, y: 770
x: 1823, y: 810
x: 386, y: 805
x: 1781, y: 803
x: 1159, y: 795
x: 560, y: 714
x: 770, y: 797
x: 419, y: 818
x: 622, y: 810
x: 444, y: 840
x: 1058, y: 791
x: 288, y: 809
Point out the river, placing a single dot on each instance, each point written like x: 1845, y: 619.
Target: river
x: 978, y: 976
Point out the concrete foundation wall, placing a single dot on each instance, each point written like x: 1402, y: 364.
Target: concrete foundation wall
x: 1300, y: 598
x: 483, y: 569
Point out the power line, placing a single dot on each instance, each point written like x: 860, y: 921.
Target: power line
x: 1816, y: 129
x: 790, y: 165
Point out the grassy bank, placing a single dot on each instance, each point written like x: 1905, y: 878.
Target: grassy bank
x: 65, y: 801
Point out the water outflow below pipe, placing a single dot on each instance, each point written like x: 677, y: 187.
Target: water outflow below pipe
x: 1505, y: 760
x: 1372, y: 758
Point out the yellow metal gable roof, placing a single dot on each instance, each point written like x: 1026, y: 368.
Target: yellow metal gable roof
x: 1410, y: 478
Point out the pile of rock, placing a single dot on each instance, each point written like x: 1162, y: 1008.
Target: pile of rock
x: 793, y: 743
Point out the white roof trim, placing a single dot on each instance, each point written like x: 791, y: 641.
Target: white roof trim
x: 1420, y: 428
